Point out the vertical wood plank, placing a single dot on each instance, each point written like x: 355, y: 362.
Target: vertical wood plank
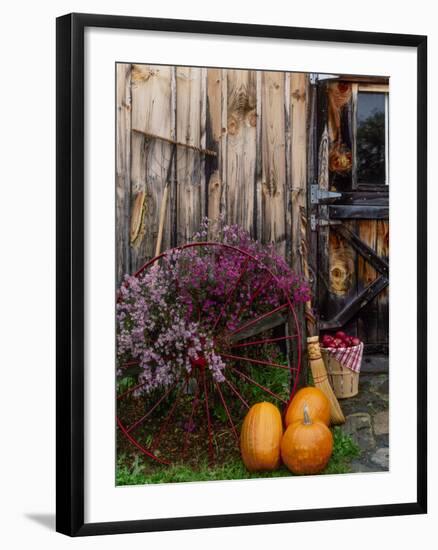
x: 325, y: 300
x: 273, y: 161
x: 383, y: 297
x: 340, y: 109
x: 258, y: 177
x: 173, y: 206
x: 288, y: 165
x: 241, y: 147
x: 151, y: 113
x: 354, y: 98
x: 310, y: 238
x: 224, y: 141
x: 298, y: 161
x: 123, y: 170
x: 213, y: 142
x: 190, y: 209
x: 366, y: 274
x: 203, y: 143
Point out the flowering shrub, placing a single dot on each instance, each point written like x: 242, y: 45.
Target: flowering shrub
x: 168, y: 316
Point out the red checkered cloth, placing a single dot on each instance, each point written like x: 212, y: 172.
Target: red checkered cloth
x: 351, y: 358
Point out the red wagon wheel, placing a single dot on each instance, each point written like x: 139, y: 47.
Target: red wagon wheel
x: 180, y: 421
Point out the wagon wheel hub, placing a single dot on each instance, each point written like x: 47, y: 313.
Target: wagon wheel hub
x: 200, y: 362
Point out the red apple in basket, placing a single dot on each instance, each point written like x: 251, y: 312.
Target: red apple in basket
x: 327, y: 341
x: 341, y: 335
x: 355, y: 341
x: 338, y: 343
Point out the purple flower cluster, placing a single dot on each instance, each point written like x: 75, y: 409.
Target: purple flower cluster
x: 169, y: 316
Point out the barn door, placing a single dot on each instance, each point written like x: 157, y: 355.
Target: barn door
x: 349, y: 216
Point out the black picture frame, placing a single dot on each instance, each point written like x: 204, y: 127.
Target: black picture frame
x: 70, y: 273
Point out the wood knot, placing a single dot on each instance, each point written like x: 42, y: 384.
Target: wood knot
x: 296, y: 95
x: 252, y: 118
x: 233, y: 125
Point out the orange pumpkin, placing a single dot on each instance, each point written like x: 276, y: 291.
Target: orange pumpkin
x: 307, y: 446
x: 260, y: 438
x: 317, y: 403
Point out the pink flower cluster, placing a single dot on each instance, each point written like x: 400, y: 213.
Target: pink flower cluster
x: 169, y: 316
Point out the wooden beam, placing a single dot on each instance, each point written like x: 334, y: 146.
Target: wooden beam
x: 373, y: 87
x: 363, y: 249
x: 361, y: 198
x: 351, y: 309
x: 356, y: 212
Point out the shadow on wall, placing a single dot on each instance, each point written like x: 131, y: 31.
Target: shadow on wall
x: 46, y: 520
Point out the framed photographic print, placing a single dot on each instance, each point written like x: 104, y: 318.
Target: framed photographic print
x: 230, y: 343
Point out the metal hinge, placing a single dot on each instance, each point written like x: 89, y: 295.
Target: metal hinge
x: 314, y: 78
x: 317, y: 222
x: 317, y: 195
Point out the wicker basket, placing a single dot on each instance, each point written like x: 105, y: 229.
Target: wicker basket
x: 345, y: 382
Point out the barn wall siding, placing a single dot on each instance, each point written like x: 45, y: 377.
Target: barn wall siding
x: 256, y: 122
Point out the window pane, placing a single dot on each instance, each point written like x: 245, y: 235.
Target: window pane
x: 371, y: 138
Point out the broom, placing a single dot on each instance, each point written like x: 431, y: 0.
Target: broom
x: 316, y: 363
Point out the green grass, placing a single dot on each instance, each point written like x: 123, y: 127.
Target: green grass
x: 141, y: 471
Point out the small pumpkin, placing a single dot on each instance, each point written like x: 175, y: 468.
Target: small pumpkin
x: 307, y: 445
x: 260, y: 438
x: 317, y: 403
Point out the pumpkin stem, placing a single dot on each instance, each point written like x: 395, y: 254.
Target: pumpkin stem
x: 307, y: 419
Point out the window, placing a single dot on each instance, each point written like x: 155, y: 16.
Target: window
x: 372, y: 136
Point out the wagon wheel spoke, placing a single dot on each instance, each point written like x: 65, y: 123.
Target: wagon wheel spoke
x: 227, y: 410
x: 130, y: 390
x: 209, y: 427
x: 234, y: 390
x: 151, y: 410
x: 259, y: 319
x: 264, y: 388
x: 256, y: 361
x: 132, y: 363
x: 264, y: 341
x: 298, y: 348
x: 138, y: 445
x: 190, y: 420
x: 165, y: 424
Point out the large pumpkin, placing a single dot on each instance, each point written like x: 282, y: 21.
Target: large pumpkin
x: 317, y: 403
x: 260, y: 437
x: 307, y: 445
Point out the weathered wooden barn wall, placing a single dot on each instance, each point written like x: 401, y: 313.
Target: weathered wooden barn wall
x: 256, y: 123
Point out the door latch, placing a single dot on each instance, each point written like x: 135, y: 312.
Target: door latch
x: 318, y: 222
